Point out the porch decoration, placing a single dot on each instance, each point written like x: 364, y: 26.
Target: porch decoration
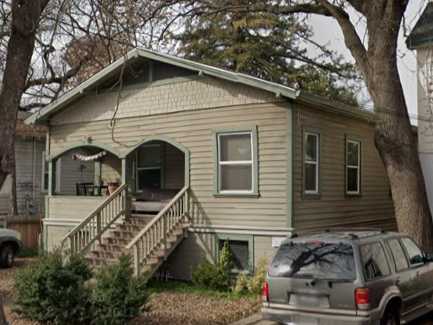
x: 94, y: 157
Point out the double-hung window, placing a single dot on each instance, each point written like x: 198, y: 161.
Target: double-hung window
x: 149, y: 167
x: 236, y: 162
x: 311, y: 162
x: 353, y: 167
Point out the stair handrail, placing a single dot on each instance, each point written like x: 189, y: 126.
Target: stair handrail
x: 183, y: 193
x: 95, y: 216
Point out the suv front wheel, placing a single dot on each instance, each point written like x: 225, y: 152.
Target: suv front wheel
x: 391, y: 317
x: 7, y: 256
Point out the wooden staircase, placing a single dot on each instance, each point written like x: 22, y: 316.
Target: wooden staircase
x: 112, y: 231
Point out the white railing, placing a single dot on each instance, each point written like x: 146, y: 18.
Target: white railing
x: 98, y: 222
x: 156, y: 233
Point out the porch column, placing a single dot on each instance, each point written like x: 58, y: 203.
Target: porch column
x: 50, y: 177
x: 124, y: 171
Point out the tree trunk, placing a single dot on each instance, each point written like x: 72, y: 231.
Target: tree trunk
x: 396, y: 142
x: 25, y: 20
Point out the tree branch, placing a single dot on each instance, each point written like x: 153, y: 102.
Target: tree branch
x: 351, y: 37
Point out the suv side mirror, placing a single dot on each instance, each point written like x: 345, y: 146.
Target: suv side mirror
x: 428, y: 257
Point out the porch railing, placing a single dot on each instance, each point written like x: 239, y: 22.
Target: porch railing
x: 98, y: 222
x: 156, y: 233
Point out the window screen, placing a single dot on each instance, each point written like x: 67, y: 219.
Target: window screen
x: 375, y: 264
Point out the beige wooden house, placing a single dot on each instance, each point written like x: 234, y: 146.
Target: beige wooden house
x: 202, y: 156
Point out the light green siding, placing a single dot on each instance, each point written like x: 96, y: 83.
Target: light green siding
x: 193, y: 130
x: 333, y: 207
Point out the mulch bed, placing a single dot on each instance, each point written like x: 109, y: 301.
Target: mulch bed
x: 164, y: 308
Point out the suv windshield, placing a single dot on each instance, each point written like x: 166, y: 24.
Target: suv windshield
x: 315, y: 259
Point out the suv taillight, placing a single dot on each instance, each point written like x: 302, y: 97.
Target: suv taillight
x: 362, y: 298
x: 265, y: 292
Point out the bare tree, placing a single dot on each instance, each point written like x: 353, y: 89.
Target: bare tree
x: 25, y: 16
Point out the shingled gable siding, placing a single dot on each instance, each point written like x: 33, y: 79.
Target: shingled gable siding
x: 162, y: 97
x: 333, y: 207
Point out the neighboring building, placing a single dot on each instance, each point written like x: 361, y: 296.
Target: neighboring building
x: 29, y: 148
x: 251, y: 161
x: 421, y: 40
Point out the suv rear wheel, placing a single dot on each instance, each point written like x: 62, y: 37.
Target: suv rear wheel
x: 391, y: 317
x: 7, y: 256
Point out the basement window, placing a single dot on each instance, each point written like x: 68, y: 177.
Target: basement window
x: 240, y: 253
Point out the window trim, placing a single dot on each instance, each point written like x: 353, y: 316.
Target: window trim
x: 316, y: 134
x: 236, y: 237
x: 254, y: 192
x: 347, y: 166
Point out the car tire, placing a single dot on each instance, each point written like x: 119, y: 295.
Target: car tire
x: 391, y: 317
x: 7, y: 256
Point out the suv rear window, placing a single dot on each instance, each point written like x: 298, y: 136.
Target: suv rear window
x: 316, y: 259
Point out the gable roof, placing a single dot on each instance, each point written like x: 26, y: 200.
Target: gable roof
x: 422, y: 33
x: 200, y: 68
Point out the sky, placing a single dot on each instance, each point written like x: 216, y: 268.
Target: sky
x: 326, y: 30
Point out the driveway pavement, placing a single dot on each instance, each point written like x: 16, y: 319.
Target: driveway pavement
x: 427, y: 320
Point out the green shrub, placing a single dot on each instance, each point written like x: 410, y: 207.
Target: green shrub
x: 118, y: 296
x: 57, y: 292
x: 53, y: 291
x: 252, y: 284
x: 215, y: 276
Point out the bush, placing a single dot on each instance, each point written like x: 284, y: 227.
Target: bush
x: 252, y: 284
x: 215, y: 276
x: 54, y: 292
x: 118, y: 296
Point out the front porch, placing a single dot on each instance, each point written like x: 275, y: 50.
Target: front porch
x: 80, y: 179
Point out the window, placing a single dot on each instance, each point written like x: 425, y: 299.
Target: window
x: 45, y: 173
x: 149, y: 171
x: 311, y: 163
x: 374, y: 262
x: 315, y: 259
x: 398, y: 255
x: 236, y: 163
x: 239, y: 251
x: 414, y: 253
x: 353, y: 167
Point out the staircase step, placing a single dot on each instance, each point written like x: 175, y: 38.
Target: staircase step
x: 98, y: 261
x: 111, y: 247
x: 121, y: 234
x: 115, y: 241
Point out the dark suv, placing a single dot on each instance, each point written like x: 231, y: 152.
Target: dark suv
x: 343, y: 277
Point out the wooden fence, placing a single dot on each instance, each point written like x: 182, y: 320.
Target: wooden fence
x: 30, y: 229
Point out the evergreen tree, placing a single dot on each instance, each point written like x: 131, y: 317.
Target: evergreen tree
x: 266, y: 46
